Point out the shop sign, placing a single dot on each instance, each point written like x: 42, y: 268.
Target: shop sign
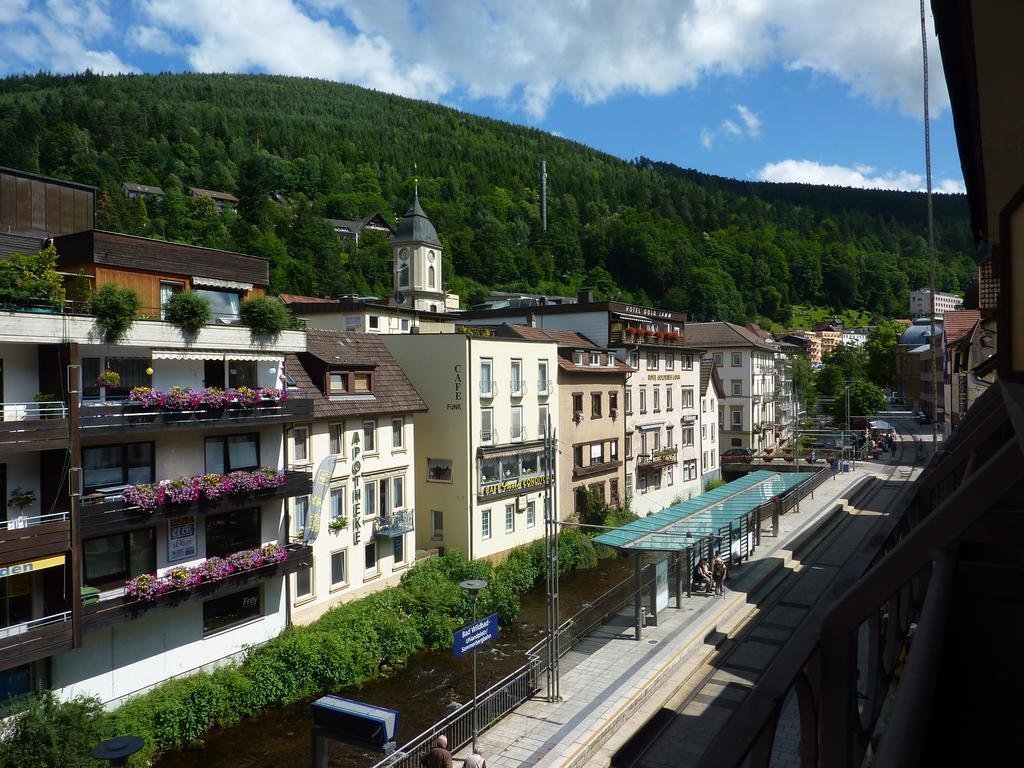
x: 357, y: 491
x: 31, y: 565
x: 321, y: 485
x: 664, y: 377
x: 514, y: 485
x: 181, y: 538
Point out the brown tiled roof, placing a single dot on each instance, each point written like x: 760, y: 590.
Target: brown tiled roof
x: 722, y: 334
x: 957, y: 322
x: 213, y: 193
x: 561, y: 337
x: 294, y: 298
x: 709, y: 373
x: 392, y: 390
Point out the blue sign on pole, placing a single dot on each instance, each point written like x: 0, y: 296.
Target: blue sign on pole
x: 476, y: 634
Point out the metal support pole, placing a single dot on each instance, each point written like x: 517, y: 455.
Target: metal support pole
x: 473, y: 597
x: 689, y: 571
x: 679, y: 577
x: 319, y: 747
x: 637, y: 619
x: 653, y: 597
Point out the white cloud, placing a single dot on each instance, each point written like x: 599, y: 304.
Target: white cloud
x: 864, y: 176
x: 731, y: 128
x: 707, y: 138
x: 151, y: 39
x: 750, y: 120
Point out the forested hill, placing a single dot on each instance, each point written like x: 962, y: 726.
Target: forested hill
x: 642, y: 231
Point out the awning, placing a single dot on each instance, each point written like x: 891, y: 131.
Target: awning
x: 215, y: 282
x: 658, y: 425
x: 526, y: 448
x: 252, y: 356
x: 385, y: 474
x: 212, y: 354
x: 880, y: 425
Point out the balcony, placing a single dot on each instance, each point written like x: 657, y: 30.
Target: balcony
x: 489, y: 437
x: 663, y: 458
x: 517, y: 388
x: 102, y: 513
x: 36, y: 639
x: 544, y: 387
x: 394, y: 525
x: 116, y: 609
x: 28, y: 538
x: 33, y: 426
x: 488, y: 388
x: 595, y: 469
x: 114, y: 418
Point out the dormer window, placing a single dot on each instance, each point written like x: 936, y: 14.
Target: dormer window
x: 578, y: 357
x: 349, y: 382
x: 595, y: 358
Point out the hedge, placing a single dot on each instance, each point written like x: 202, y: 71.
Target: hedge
x: 348, y: 645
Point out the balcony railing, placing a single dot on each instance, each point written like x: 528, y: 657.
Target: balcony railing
x: 36, y: 639
x: 104, y: 418
x: 595, y: 469
x: 544, y: 387
x: 396, y: 524
x: 26, y: 538
x: 488, y: 388
x: 489, y: 437
x: 663, y: 458
x: 116, y: 608
x: 33, y: 426
x: 516, y: 388
x: 108, y: 512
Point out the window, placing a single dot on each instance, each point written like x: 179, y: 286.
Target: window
x: 609, y: 359
x: 489, y: 470
x: 542, y: 420
x: 431, y: 277
x: 577, y: 455
x: 485, y: 524
x: 595, y: 358
x: 690, y: 470
x: 517, y: 378
x: 577, y: 403
x: 670, y: 361
x: 337, y: 433
x: 373, y: 322
x: 668, y: 397
x: 657, y: 398
x: 517, y: 423
x: 436, y: 524
x: 634, y: 360
x: 531, y: 514
x: 370, y: 557
x: 486, y: 381
x: 338, y: 503
x: 403, y: 268
x: 542, y: 377
x: 404, y: 324
x: 687, y: 362
x: 613, y: 403
x: 597, y: 453
x: 397, y: 432
x: 439, y: 470
x: 629, y: 488
x: 703, y: 432
x: 234, y: 531
x: 231, y: 610
x: 737, y: 418
x: 668, y: 436
x: 168, y: 289
x: 613, y: 490
x: 736, y: 442
x: 303, y: 583
x: 686, y: 397
x: 231, y: 452
x: 670, y: 476
x: 595, y: 405
x: 652, y: 361
x: 712, y: 430
x: 510, y: 518
x: 337, y: 383
x: 643, y: 399
x: 629, y: 400
x: 643, y: 442
x: 737, y: 360
x: 362, y: 383
x: 339, y: 568
x: 577, y: 357
x: 686, y: 436
x: 613, y: 450
x: 718, y: 359
x: 370, y: 498
x: 224, y: 304
x: 369, y: 437
x: 398, y: 492
x: 300, y: 438
x: 398, y: 549
x: 737, y: 387
x: 300, y: 517
x: 629, y: 445
x: 116, y: 465
x: 110, y: 560
x: 487, y: 426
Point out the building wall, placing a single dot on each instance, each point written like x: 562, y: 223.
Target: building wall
x: 756, y: 377
x: 607, y: 429
x: 592, y: 324
x: 20, y: 365
x: 709, y: 436
x: 352, y: 472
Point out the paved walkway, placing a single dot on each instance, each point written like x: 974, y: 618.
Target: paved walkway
x: 609, y: 677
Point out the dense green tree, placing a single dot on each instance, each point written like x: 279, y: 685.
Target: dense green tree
x: 804, y: 385
x: 866, y: 400
x: 881, y: 352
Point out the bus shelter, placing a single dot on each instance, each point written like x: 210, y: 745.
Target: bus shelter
x: 726, y: 520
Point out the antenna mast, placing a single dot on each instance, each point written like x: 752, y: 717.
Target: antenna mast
x: 544, y: 195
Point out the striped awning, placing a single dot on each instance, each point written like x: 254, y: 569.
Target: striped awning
x: 212, y: 354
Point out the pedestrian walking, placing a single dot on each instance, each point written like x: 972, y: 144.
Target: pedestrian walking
x: 718, y: 573
x: 892, y: 447
x: 476, y: 760
x: 438, y: 756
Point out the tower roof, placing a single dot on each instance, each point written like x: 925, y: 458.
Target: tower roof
x: 416, y: 227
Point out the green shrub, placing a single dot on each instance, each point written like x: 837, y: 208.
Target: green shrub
x: 710, y: 485
x: 115, y: 309
x: 189, y: 310
x: 31, y: 278
x: 264, y: 316
x: 50, y: 732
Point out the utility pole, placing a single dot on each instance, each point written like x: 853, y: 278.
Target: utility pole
x: 551, y: 561
x: 796, y: 397
x: 931, y: 237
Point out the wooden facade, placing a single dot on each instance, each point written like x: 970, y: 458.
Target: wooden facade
x: 36, y: 204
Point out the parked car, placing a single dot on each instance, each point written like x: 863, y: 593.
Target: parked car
x: 737, y: 455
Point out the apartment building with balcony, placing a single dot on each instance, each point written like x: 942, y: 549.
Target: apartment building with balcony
x: 591, y: 428
x: 360, y: 445
x: 480, y: 466
x: 746, y: 364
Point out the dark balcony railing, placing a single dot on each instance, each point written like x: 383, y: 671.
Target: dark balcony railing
x: 106, y: 418
x: 394, y: 525
x: 595, y: 469
x: 118, y: 609
x: 27, y: 538
x: 657, y: 459
x: 33, y: 426
x: 36, y: 639
x: 101, y: 513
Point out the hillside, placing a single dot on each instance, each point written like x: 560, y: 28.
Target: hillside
x: 643, y: 231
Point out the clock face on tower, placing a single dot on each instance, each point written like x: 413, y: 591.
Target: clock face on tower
x: 403, y: 254
x: 430, y: 256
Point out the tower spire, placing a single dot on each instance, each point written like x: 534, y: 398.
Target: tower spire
x: 416, y: 180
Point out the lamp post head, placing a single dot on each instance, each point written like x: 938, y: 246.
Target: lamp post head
x: 473, y: 586
x: 118, y: 750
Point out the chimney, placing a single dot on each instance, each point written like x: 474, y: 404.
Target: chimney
x: 531, y: 320
x: 585, y: 296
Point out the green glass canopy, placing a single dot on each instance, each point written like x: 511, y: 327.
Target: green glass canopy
x: 685, y: 524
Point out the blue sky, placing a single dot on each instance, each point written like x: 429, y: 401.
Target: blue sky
x: 784, y: 90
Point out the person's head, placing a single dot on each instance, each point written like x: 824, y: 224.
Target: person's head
x: 442, y: 741
x: 478, y: 751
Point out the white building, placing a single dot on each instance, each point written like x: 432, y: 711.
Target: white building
x: 480, y: 471
x: 855, y: 337
x: 361, y: 437
x: 746, y: 364
x: 711, y: 392
x: 363, y: 315
x: 920, y: 302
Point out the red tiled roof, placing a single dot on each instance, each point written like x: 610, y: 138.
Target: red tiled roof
x: 294, y: 298
x: 957, y: 322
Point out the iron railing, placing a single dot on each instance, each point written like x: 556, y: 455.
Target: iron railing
x: 27, y: 626
x: 395, y: 524
x: 32, y: 411
x: 29, y: 522
x: 488, y: 388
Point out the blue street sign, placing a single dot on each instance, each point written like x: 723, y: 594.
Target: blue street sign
x: 476, y: 634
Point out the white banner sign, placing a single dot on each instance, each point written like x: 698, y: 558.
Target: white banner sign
x: 181, y: 538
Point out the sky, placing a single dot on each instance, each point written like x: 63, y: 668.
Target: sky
x: 816, y: 91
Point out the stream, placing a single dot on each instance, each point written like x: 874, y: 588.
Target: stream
x: 430, y: 685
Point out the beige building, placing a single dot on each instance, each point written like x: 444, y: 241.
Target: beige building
x: 480, y: 471
x: 591, y: 428
x: 360, y: 445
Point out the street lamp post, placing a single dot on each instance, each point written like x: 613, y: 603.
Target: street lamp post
x: 116, y: 751
x: 474, y: 586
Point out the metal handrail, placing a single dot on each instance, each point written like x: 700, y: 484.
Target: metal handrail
x: 517, y: 391
x: 29, y: 522
x: 27, y: 626
x: 488, y: 388
x: 33, y: 410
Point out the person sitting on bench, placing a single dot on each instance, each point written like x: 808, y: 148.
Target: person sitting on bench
x: 702, y: 577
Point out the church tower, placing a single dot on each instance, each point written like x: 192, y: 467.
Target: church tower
x: 417, y: 270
